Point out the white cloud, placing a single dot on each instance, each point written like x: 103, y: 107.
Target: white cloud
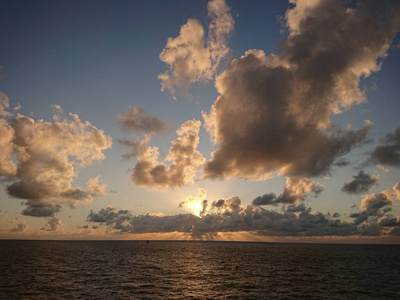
x: 47, y: 157
x: 183, y: 156
x: 188, y: 58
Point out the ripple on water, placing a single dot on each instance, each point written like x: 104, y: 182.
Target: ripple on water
x: 195, y: 270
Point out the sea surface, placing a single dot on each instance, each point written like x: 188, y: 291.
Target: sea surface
x: 196, y: 270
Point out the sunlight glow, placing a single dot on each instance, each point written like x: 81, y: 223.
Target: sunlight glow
x: 195, y: 208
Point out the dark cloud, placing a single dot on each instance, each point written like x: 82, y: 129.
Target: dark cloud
x: 388, y: 152
x: 294, y: 191
x: 374, y: 206
x: 374, y: 202
x: 138, y: 119
x: 272, y: 115
x: 341, y: 162
x: 109, y: 215
x: 389, y: 221
x: 228, y: 215
x: 40, y: 209
x: 360, y: 183
x: 265, y: 199
x: 294, y: 208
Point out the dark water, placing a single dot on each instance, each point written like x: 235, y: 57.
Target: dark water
x: 195, y: 270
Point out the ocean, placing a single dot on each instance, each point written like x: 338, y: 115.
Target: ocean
x: 196, y: 270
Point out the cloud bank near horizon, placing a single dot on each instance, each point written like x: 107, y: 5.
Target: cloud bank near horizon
x: 230, y: 215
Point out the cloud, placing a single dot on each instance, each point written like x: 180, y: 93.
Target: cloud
x: 228, y: 215
x: 294, y: 191
x: 388, y: 151
x: 110, y: 216
x: 294, y: 208
x: 374, y: 205
x: 4, y: 105
x: 95, y: 188
x: 183, y: 156
x: 374, y: 202
x: 360, y: 183
x: 389, y: 222
x: 188, y: 58
x: 382, y: 168
x: 134, y: 146
x: 52, y: 224
x: 375, y: 217
x: 197, y: 204
x: 265, y: 199
x: 20, y: 227
x: 273, y: 112
x: 47, y: 157
x: 138, y: 119
x: 7, y: 167
x: 396, y: 189
x: 41, y: 209
x: 219, y: 31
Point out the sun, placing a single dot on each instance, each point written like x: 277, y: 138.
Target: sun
x: 196, y: 208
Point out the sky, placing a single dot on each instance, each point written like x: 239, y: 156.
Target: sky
x: 206, y: 120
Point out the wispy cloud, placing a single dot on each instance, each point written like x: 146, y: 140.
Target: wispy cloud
x: 138, y: 119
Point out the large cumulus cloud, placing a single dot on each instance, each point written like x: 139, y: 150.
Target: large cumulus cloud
x: 273, y: 112
x: 189, y: 57
x: 47, y: 156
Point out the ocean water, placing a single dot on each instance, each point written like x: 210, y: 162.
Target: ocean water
x: 196, y: 270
